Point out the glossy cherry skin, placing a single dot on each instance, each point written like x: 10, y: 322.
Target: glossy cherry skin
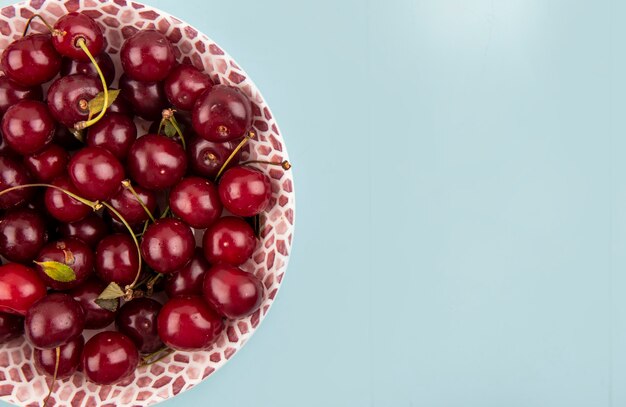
x: 147, y: 56
x: 188, y: 323
x: 20, y: 288
x: 223, y: 113
x: 75, y: 26
x: 121, y: 105
x: 62, y: 206
x: 12, y: 174
x: 109, y: 357
x: 12, y: 92
x: 69, y: 358
x: 96, y: 173
x: 53, y: 321
x: 147, y: 99
x: 196, y: 202
x: 167, y: 245
x: 137, y: 319
x: 114, y: 132
x: 245, y: 191
x: 90, y: 230
x: 129, y: 207
x: 184, y: 85
x: 230, y: 240
x: 65, y: 139
x: 48, y: 163
x: 117, y: 259
x: 72, y: 66
x: 22, y: 234
x: 188, y: 280
x: 31, y: 60
x: 206, y: 157
x: 231, y: 291
x: 156, y: 162
x: 27, y: 127
x: 66, y: 95
x: 11, y: 327
x: 71, y: 252
x: 5, y: 149
x: 96, y: 317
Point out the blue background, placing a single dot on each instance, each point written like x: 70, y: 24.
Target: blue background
x: 461, y: 192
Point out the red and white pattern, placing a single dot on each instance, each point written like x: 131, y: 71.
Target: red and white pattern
x: 19, y: 381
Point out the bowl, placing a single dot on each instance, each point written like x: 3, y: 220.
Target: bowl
x: 20, y: 382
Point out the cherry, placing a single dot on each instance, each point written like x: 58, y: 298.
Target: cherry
x: 230, y: 240
x: 129, y: 207
x: 167, y: 245
x: 188, y: 280
x: 96, y: 317
x: 231, y: 291
x: 4, y: 147
x: 114, y: 132
x: 53, y: 320
x: 117, y: 259
x: 48, y: 163
x: 137, y: 319
x: 222, y: 113
x: 146, y: 98
x: 62, y: 206
x: 11, y: 327
x: 20, y: 288
x: 68, y: 98
x: 195, y: 200
x: 147, y: 56
x: 13, y: 174
x: 31, y: 60
x: 76, y: 26
x: 69, y: 358
x: 22, y: 234
x: 156, y: 162
x: 184, y: 84
x: 64, y: 138
x: 109, y: 357
x: 71, y: 252
x: 90, y: 230
x: 12, y: 92
x: 188, y: 323
x: 245, y: 191
x: 27, y: 127
x: 96, y: 173
x: 207, y: 157
x: 72, y: 66
x: 120, y: 105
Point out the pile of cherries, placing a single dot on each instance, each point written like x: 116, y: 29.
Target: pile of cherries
x: 96, y: 222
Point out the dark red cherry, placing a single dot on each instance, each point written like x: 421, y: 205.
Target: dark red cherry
x: 69, y: 358
x: 223, y: 113
x: 53, y: 321
x: 5, y: 149
x: 129, y: 207
x: 72, y: 66
x: 71, y: 252
x: 90, y: 230
x: 188, y: 280
x: 137, y: 319
x: 96, y: 317
x: 75, y: 26
x: 184, y: 85
x: 121, y: 105
x: 156, y: 162
x: 27, y: 127
x: 117, y: 259
x: 20, y: 288
x: 62, y: 206
x: 188, y: 323
x: 12, y: 92
x: 245, y: 191
x: 195, y: 200
x: 114, y: 132
x: 206, y: 157
x: 229, y: 240
x: 64, y: 138
x: 231, y: 291
x: 12, y: 174
x: 31, y: 60
x: 11, y: 327
x: 68, y: 97
x: 22, y: 234
x: 48, y: 163
x: 147, y: 56
x: 96, y: 173
x: 147, y: 99
x: 167, y: 245
x: 109, y: 357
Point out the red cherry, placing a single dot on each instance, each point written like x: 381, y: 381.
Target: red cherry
x: 114, y: 132
x: 11, y: 327
x: 96, y: 173
x: 65, y: 139
x: 20, y: 287
x: 27, y: 127
x: 71, y: 252
x: 206, y: 158
x: 96, y: 317
x: 31, y: 60
x: 184, y: 85
x: 146, y: 98
x: 109, y: 357
x: 195, y: 200
x: 53, y: 321
x: 68, y: 97
x: 69, y: 358
x: 12, y: 92
x: 231, y: 291
x: 22, y: 234
x: 12, y: 174
x: 156, y: 162
x: 229, y: 240
x: 76, y: 26
x: 222, y: 113
x: 72, y: 66
x: 48, y: 163
x: 62, y: 206
x: 188, y: 280
x: 129, y: 207
x: 167, y: 245
x: 245, y: 191
x: 117, y: 259
x: 137, y: 319
x: 147, y: 56
x: 90, y: 230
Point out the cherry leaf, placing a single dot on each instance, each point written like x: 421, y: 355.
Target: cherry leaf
x: 169, y: 129
x: 111, y: 292
x: 57, y: 271
x: 108, y: 304
x: 97, y: 103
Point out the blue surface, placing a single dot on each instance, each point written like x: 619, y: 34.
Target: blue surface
x: 461, y: 188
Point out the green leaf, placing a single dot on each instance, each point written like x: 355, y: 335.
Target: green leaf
x: 57, y: 271
x: 110, y: 304
x: 111, y: 292
x: 169, y: 129
x: 97, y: 103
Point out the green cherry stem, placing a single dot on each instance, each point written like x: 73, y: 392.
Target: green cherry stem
x: 156, y: 356
x: 126, y: 184
x: 232, y: 155
x: 54, y: 377
x: 84, y: 124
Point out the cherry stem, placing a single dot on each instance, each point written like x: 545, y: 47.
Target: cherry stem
x: 180, y: 133
x: 105, y: 104
x: 286, y: 165
x: 54, y: 377
x: 232, y: 155
x: 126, y: 184
x: 94, y: 205
x: 168, y: 116
x: 53, y: 31
x: 160, y: 354
x: 165, y: 212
